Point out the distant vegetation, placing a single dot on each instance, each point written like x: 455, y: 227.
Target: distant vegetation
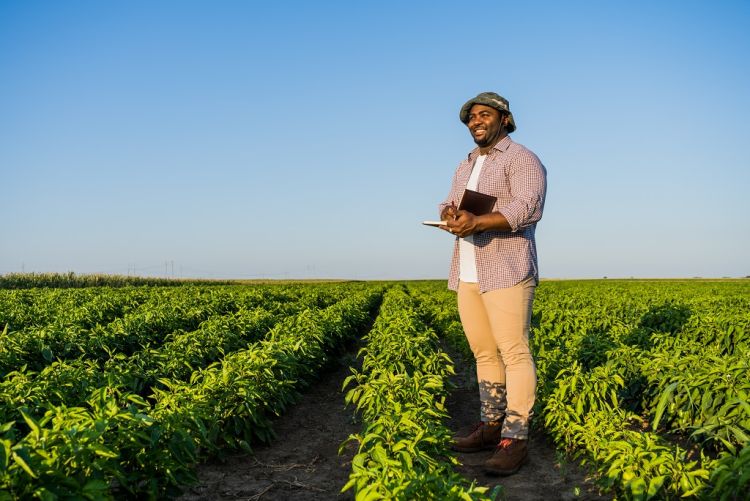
x: 71, y: 280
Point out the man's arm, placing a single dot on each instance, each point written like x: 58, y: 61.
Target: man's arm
x: 528, y: 180
x: 528, y: 184
x: 467, y: 223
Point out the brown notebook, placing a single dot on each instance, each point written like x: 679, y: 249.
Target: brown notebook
x: 477, y: 203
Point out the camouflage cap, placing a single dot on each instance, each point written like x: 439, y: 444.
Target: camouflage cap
x: 493, y: 101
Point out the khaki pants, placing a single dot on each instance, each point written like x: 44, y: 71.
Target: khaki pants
x: 496, y: 325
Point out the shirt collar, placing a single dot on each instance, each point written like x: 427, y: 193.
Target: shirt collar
x: 501, y: 145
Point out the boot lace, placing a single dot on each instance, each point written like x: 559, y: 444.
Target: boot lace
x: 505, y: 443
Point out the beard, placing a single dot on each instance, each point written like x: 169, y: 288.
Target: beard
x: 488, y: 138
x: 482, y: 142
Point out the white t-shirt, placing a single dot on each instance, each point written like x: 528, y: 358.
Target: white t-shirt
x: 467, y: 259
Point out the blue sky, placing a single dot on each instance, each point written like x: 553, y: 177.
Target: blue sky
x: 310, y: 139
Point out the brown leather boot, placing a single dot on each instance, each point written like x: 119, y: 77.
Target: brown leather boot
x: 510, y: 454
x: 483, y: 436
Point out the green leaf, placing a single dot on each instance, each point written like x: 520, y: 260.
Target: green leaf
x: 45, y: 495
x: 664, y: 399
x: 102, y: 451
x: 638, y: 488
x: 20, y: 461
x: 351, y: 483
x: 5, y: 454
x: 370, y: 495
x: 655, y: 484
x: 32, y: 424
x: 47, y: 353
x: 95, y: 486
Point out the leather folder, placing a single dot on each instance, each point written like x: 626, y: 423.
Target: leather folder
x: 477, y: 203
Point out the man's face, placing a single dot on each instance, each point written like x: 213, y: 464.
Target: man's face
x: 485, y: 125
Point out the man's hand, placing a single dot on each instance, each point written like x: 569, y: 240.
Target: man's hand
x: 449, y: 212
x: 463, y: 223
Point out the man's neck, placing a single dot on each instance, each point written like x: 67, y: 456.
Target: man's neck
x: 483, y: 150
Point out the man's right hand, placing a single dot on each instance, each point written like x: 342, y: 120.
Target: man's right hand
x: 448, y: 213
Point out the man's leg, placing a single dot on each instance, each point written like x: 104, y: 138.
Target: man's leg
x: 509, y: 312
x: 490, y: 373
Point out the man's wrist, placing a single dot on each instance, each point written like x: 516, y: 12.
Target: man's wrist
x: 493, y: 221
x: 480, y: 224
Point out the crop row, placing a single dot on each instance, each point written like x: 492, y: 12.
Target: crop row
x: 119, y: 443
x: 70, y: 382
x: 109, y: 395
x: 583, y: 414
x: 21, y: 309
x: 647, y: 382
x: 163, y: 312
x: 647, y: 412
x: 400, y: 396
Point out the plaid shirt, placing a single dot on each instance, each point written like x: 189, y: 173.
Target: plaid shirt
x: 518, y: 179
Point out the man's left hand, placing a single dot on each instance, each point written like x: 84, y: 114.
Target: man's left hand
x: 463, y: 225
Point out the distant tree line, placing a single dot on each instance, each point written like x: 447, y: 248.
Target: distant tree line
x: 71, y: 279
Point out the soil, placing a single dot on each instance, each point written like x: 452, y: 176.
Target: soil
x: 547, y: 474
x: 303, y: 462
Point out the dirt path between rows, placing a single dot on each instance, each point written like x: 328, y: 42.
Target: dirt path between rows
x: 547, y: 475
x: 303, y: 463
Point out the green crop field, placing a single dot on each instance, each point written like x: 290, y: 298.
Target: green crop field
x: 121, y: 392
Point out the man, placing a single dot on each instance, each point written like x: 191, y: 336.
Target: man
x: 494, y: 269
